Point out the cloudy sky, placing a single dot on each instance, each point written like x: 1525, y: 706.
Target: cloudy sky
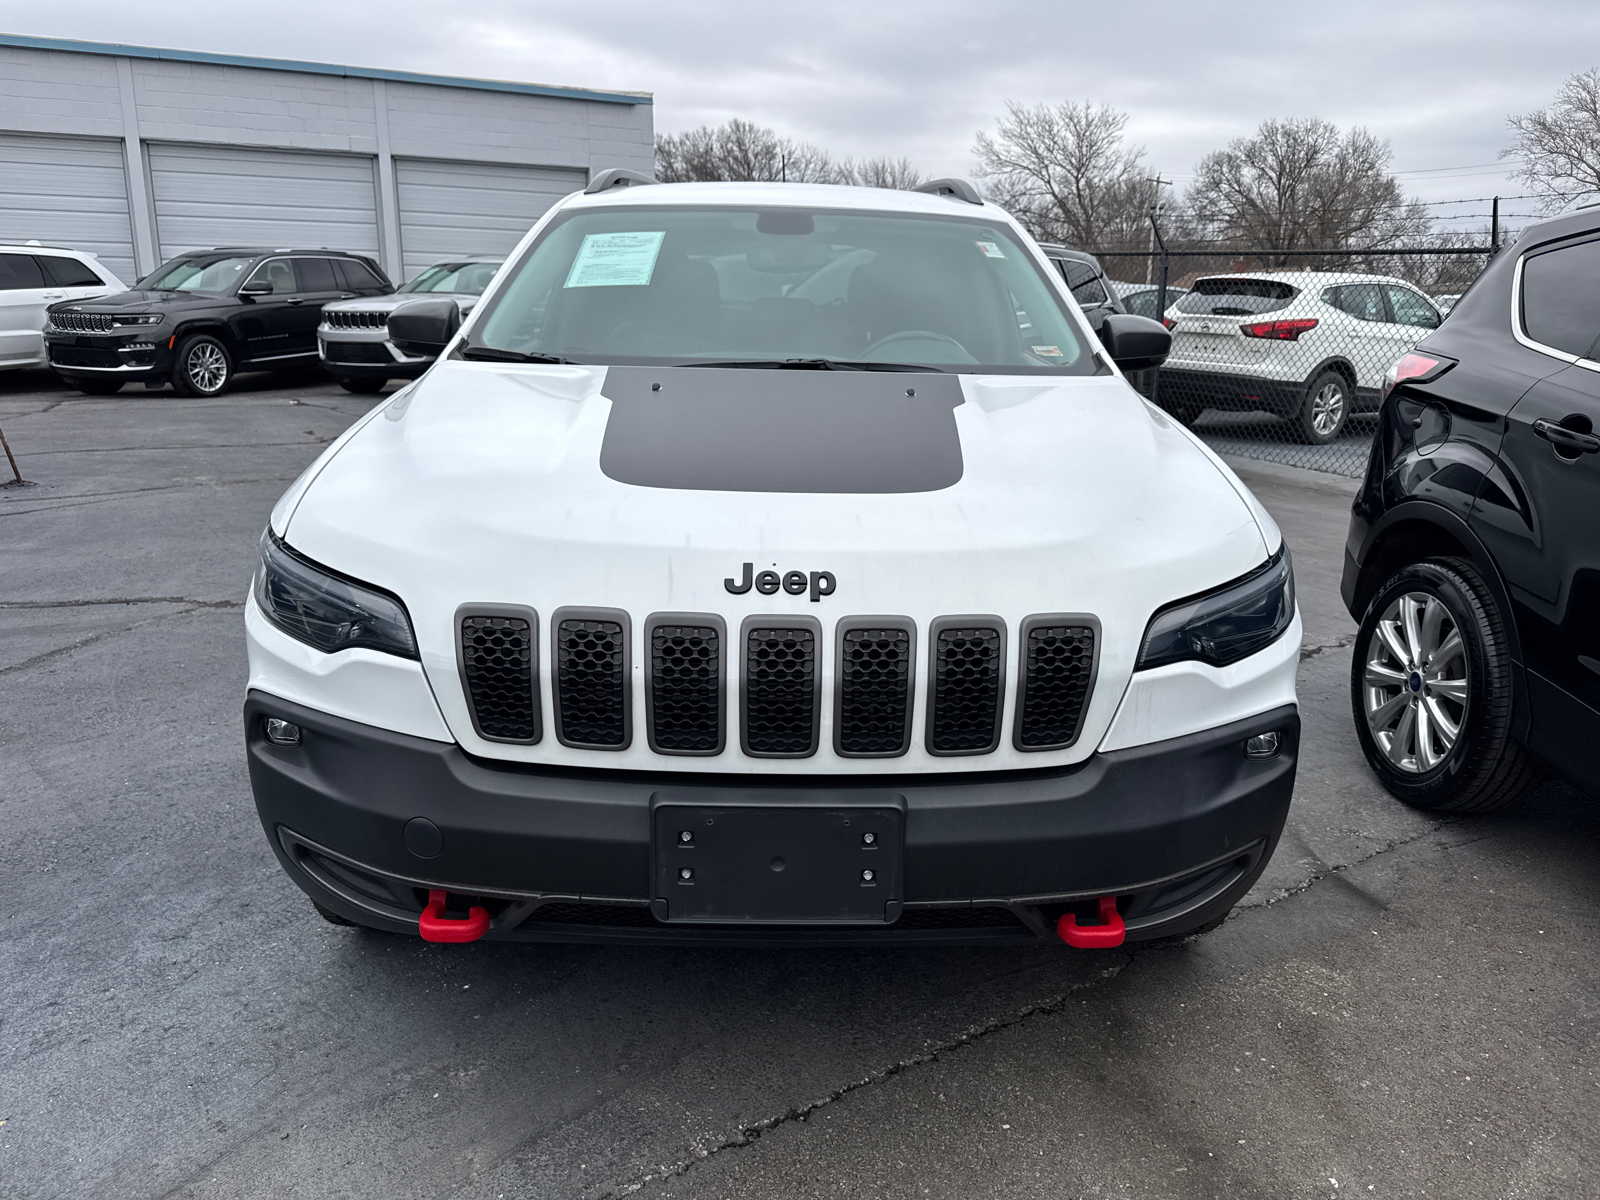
x: 918, y: 79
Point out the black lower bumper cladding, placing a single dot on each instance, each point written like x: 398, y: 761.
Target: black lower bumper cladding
x: 369, y: 822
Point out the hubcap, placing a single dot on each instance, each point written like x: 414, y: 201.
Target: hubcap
x: 1327, y: 409
x: 1414, y: 686
x: 207, y: 367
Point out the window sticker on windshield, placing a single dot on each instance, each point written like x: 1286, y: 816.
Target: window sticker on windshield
x: 1047, y: 351
x: 990, y: 249
x: 615, y: 260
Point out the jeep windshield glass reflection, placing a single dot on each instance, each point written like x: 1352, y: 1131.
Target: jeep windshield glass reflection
x: 726, y: 286
x: 197, y: 273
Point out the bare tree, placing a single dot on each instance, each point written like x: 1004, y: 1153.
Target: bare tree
x: 1067, y: 174
x: 1300, y: 185
x: 880, y: 173
x: 1560, y: 146
x: 742, y: 150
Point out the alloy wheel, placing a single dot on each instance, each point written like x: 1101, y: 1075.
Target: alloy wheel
x: 1414, y: 685
x: 207, y: 367
x: 1327, y: 409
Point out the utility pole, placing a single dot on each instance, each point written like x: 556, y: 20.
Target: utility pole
x: 1156, y: 184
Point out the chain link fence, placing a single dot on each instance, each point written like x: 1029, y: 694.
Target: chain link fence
x: 1282, y: 355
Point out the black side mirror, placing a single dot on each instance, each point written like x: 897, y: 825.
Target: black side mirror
x: 1136, y: 343
x: 256, y: 287
x: 424, y: 327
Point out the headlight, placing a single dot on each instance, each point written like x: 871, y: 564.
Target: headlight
x: 122, y: 320
x: 314, y: 606
x: 1228, y: 624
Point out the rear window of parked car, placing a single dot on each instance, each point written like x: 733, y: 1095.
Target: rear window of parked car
x: 19, y: 271
x: 69, y: 272
x: 1082, y: 282
x: 1236, y: 297
x: 1559, y: 292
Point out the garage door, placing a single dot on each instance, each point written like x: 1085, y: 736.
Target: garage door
x: 450, y: 208
x: 67, y: 192
x: 223, y: 196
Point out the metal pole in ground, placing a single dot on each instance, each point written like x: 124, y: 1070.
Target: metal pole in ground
x: 1161, y: 300
x: 10, y: 458
x: 1494, y: 227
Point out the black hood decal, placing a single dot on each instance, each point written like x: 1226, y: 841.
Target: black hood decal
x: 726, y: 429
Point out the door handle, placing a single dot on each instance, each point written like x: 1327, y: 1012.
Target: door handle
x: 55, y: 295
x: 1563, y: 438
x: 295, y: 300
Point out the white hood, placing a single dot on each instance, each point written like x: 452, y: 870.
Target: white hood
x: 482, y: 483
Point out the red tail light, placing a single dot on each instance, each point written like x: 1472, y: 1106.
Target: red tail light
x: 1415, y: 367
x: 1281, y: 331
x: 1169, y: 322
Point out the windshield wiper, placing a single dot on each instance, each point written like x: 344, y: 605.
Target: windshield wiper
x: 814, y: 364
x: 493, y: 354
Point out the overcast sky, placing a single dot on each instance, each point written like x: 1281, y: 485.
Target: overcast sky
x: 919, y: 77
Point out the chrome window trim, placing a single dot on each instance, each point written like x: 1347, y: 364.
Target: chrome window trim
x: 1521, y: 334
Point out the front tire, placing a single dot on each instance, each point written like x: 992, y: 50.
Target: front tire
x: 203, y: 367
x: 1325, y: 409
x: 1431, y: 690
x: 90, y: 386
x: 361, y: 387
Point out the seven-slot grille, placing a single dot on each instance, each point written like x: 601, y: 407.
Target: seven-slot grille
x: 591, y: 679
x: 76, y: 322
x: 355, y: 320
x: 499, y: 664
x: 780, y: 687
x: 685, y: 688
x: 1057, y: 675
x: 967, y: 679
x: 875, y: 677
x: 779, y: 690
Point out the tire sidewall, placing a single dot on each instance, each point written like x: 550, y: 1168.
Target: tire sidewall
x: 1304, y: 420
x: 1468, y: 602
x: 180, y: 368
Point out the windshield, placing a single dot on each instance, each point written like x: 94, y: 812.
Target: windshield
x: 460, y: 278
x: 729, y: 285
x: 200, y: 273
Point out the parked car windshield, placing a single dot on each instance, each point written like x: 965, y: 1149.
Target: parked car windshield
x: 199, y: 273
x: 460, y: 278
x: 730, y: 285
x: 1231, y: 297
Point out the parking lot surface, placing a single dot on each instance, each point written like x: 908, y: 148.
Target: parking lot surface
x: 1404, y: 1006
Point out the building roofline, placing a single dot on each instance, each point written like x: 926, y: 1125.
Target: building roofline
x: 116, y: 50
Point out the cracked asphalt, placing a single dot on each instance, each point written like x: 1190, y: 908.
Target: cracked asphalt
x: 1403, y: 1007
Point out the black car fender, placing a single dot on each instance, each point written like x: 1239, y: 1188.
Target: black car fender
x: 215, y: 326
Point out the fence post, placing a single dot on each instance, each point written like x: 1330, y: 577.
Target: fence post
x: 1494, y: 227
x: 1161, y: 301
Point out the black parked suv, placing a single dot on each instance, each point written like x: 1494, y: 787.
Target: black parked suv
x: 1473, y: 561
x: 204, y: 316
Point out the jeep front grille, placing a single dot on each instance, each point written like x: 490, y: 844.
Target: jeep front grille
x: 779, y: 695
x: 966, y: 682
x: 685, y: 687
x: 499, y: 665
x: 874, y: 687
x: 356, y: 320
x: 591, y: 678
x: 1057, y: 675
x: 76, y: 322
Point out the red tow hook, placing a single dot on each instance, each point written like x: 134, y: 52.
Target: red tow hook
x: 1093, y: 937
x: 434, y: 926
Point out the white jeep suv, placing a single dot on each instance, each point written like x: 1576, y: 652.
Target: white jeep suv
x: 772, y: 562
x: 1309, y: 346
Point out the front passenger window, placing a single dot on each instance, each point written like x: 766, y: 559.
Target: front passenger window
x: 19, y: 272
x: 276, y: 275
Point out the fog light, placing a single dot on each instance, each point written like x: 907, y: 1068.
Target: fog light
x: 1263, y: 745
x: 282, y: 733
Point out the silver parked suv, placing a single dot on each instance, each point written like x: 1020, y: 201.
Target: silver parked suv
x: 353, y: 339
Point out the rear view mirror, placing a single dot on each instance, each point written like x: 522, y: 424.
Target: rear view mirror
x: 424, y: 327
x: 1135, y: 343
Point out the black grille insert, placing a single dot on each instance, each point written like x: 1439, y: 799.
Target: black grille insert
x: 500, y: 668
x: 85, y: 356
x: 966, y: 681
x: 1056, y: 677
x: 685, y: 688
x: 591, y: 678
x: 780, y: 686
x: 358, y: 352
x: 873, y: 716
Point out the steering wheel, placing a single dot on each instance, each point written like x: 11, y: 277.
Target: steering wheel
x: 916, y: 335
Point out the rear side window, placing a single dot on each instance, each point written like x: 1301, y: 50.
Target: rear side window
x: 357, y: 277
x: 1361, y: 300
x: 1411, y: 309
x: 70, y: 272
x: 315, y: 275
x: 19, y: 272
x: 1561, y: 298
x: 1082, y: 282
x: 1230, y: 297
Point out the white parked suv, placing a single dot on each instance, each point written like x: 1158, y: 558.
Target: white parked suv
x: 773, y: 562
x: 33, y: 277
x: 353, y: 338
x: 1309, y: 346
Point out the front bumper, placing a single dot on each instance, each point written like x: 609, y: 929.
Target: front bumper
x: 1177, y: 830
x: 139, y: 354
x: 366, y: 354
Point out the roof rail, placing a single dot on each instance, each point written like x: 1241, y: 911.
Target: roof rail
x: 617, y: 177
x: 956, y: 189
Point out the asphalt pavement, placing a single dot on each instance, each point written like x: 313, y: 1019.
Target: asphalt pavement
x: 1404, y: 1006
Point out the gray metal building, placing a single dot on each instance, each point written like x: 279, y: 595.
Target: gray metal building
x: 138, y: 154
